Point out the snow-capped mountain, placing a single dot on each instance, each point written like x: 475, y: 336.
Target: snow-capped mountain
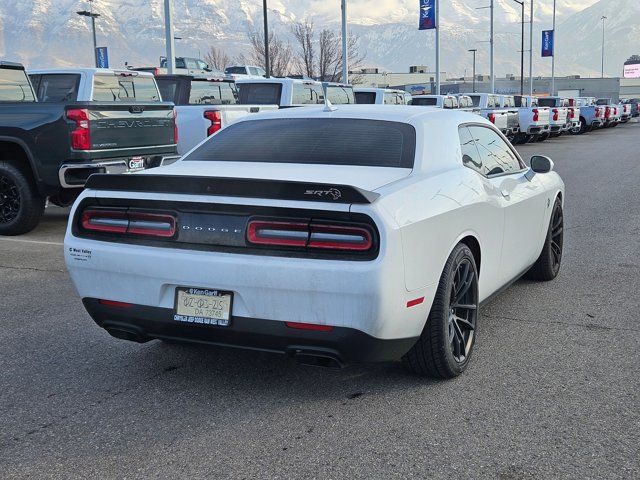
x: 49, y: 32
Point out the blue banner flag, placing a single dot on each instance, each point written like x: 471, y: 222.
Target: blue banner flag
x: 102, y: 57
x: 427, y: 14
x: 547, y: 43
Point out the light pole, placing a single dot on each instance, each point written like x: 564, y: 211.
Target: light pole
x: 267, y: 65
x: 169, y: 36
x: 474, y: 50
x: 437, y: 5
x: 553, y: 58
x: 345, y: 59
x: 521, y: 48
x: 531, y: 50
x: 493, y: 78
x: 93, y: 16
x: 603, y: 19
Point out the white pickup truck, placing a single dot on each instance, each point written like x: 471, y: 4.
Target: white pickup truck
x: 559, y: 114
x: 534, y: 120
x: 283, y: 92
x: 381, y: 96
x: 490, y: 109
x: 611, y: 112
x: 513, y: 118
x: 439, y: 101
x: 203, y: 105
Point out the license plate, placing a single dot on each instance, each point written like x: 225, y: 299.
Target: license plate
x: 208, y: 307
x: 136, y: 163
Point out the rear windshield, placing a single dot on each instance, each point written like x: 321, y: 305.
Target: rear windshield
x: 259, y: 93
x: 547, y: 102
x: 212, y: 93
x: 56, y: 87
x: 475, y: 99
x: 337, y: 141
x: 123, y: 88
x: 365, y: 97
x: 14, y: 86
x: 339, y: 95
x: 235, y: 70
x: 425, y: 102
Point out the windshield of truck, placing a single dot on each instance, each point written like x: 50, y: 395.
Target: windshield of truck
x: 205, y: 92
x: 259, y: 93
x: 125, y: 88
x: 14, y: 86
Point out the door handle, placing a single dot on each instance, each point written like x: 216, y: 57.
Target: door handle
x: 505, y: 193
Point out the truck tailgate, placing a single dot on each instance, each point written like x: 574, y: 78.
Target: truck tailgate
x: 130, y: 126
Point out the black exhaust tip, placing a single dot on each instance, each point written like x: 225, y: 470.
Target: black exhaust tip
x: 127, y: 334
x: 317, y: 359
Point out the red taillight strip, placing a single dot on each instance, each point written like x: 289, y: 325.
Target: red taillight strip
x: 134, y: 223
x: 339, y: 237
x: 309, y: 326
x: 286, y: 234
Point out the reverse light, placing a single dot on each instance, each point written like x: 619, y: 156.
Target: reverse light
x: 335, y: 237
x: 284, y: 234
x: 128, y: 222
x: 81, y: 135
x: 215, y: 117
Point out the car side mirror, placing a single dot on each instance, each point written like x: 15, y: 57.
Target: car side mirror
x: 541, y: 164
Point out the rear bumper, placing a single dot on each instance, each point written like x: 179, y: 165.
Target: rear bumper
x: 555, y: 128
x: 537, y: 129
x: 342, y: 345
x: 74, y: 175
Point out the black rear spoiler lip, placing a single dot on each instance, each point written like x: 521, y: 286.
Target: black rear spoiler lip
x: 232, y: 187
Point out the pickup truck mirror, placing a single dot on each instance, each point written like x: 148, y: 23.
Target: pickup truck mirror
x: 541, y: 164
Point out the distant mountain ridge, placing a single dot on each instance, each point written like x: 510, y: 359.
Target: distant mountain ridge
x: 44, y: 33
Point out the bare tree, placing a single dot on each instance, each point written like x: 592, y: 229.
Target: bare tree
x: 217, y: 58
x: 321, y: 57
x: 304, y: 35
x: 280, y: 53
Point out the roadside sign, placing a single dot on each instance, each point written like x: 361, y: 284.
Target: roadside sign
x: 102, y: 57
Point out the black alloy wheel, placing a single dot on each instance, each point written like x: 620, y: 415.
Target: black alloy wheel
x: 548, y: 264
x: 557, y: 236
x: 463, y: 310
x: 9, y: 200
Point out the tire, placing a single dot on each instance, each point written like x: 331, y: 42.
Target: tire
x: 544, y: 136
x: 21, y: 206
x: 583, y: 126
x: 549, y: 262
x: 445, y: 346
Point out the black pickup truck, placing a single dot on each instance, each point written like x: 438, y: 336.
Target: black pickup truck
x: 48, y: 150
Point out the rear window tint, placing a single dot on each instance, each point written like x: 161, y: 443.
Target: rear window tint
x: 365, y: 97
x: 337, y: 141
x: 426, y: 102
x: 14, y: 86
x: 212, y: 93
x: 340, y: 95
x: 259, y: 93
x: 122, y: 88
x: 168, y: 88
x: 62, y: 87
x: 546, y: 102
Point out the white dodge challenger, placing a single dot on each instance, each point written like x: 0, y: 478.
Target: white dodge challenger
x: 356, y: 234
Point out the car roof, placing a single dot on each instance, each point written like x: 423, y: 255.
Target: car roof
x: 276, y: 80
x: 90, y: 71
x: 377, y: 89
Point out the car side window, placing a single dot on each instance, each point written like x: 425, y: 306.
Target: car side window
x: 496, y: 155
x: 470, y: 155
x: 304, y: 94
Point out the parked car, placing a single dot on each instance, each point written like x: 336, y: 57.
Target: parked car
x: 284, y: 92
x: 625, y: 112
x: 574, y: 122
x: 559, y: 114
x: 635, y: 106
x: 339, y: 93
x: 489, y: 105
x: 591, y: 115
x: 203, y: 105
x: 183, y: 66
x: 50, y: 148
x: 611, y: 115
x: 381, y: 96
x: 360, y: 233
x: 533, y: 119
x: 244, y: 71
x: 448, y: 102
x: 465, y: 103
x: 513, y: 117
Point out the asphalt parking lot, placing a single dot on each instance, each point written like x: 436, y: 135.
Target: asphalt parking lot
x: 552, y: 392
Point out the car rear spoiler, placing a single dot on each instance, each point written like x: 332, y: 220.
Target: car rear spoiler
x: 232, y: 187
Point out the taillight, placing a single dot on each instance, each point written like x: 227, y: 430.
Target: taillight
x: 555, y: 115
x: 175, y: 126
x: 598, y: 112
x: 607, y: 112
x: 317, y: 236
x: 492, y: 117
x: 128, y: 222
x: 81, y: 135
x: 215, y: 117
x: 536, y: 117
